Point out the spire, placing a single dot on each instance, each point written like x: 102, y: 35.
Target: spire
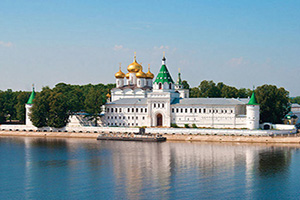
x: 164, y: 59
x: 134, y: 60
x: 252, y: 100
x: 179, y: 82
x: 32, y: 96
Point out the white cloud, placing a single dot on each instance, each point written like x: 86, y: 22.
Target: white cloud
x: 5, y: 44
x: 118, y: 47
x: 235, y: 62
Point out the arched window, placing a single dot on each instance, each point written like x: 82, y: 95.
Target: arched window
x: 170, y: 86
x: 159, y: 85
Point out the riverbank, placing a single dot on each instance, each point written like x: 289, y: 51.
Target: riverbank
x: 295, y: 139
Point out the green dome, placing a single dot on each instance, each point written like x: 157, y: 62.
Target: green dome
x: 32, y: 96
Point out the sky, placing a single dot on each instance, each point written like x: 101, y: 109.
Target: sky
x: 240, y: 43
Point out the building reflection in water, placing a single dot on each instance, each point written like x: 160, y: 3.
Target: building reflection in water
x: 138, y: 170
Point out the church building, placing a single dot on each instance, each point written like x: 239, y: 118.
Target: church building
x: 141, y: 100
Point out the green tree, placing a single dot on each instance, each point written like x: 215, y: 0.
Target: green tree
x: 209, y: 89
x: 2, y: 113
x: 40, y: 109
x: 58, y: 115
x: 93, y: 103
x: 195, y: 92
x: 185, y: 84
x: 22, y: 99
x: 9, y: 102
x: 295, y: 100
x: 274, y: 103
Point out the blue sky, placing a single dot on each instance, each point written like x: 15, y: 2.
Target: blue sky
x: 241, y: 43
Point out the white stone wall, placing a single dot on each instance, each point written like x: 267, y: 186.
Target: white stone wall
x: 125, y: 115
x: 207, y: 116
x: 252, y: 116
x: 27, y: 118
x: 117, y: 93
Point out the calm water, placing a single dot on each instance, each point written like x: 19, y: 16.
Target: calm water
x: 32, y: 168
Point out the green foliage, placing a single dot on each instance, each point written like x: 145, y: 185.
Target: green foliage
x: 185, y: 84
x: 58, y: 110
x: 93, y: 103
x: 22, y: 98
x: 295, y: 100
x: 40, y: 109
x: 274, y: 103
x: 2, y: 116
x: 194, y: 126
x: 186, y: 126
x: 174, y: 125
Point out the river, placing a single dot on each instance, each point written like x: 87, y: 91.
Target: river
x: 40, y: 168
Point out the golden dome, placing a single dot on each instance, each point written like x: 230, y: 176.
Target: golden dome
x: 140, y: 74
x: 108, y: 95
x: 127, y: 75
x: 119, y: 74
x: 134, y: 67
x: 149, y: 75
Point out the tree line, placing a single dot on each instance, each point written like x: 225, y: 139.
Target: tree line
x: 52, y: 107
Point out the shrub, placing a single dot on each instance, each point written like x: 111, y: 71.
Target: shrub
x: 173, y: 125
x: 194, y: 126
x: 186, y: 126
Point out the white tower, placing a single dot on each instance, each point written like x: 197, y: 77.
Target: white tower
x: 28, y: 107
x: 252, y: 113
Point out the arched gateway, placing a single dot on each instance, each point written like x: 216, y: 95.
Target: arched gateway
x: 159, y: 120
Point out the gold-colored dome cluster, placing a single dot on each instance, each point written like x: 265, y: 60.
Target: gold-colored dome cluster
x: 119, y: 74
x: 137, y: 68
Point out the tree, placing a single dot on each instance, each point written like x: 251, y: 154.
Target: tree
x: 274, y: 103
x: 93, y: 103
x: 22, y: 98
x: 40, y: 109
x: 9, y: 102
x: 185, y: 84
x: 209, y: 89
x: 58, y: 115
x: 2, y: 114
x: 295, y: 100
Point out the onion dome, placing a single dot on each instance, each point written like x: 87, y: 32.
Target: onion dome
x: 140, y: 74
x: 119, y: 74
x: 127, y: 75
x: 108, y: 95
x: 134, y: 67
x: 149, y: 75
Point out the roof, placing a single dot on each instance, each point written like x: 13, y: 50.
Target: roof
x: 252, y: 100
x: 31, y: 98
x: 163, y: 75
x: 295, y: 105
x: 209, y: 101
x: 129, y: 101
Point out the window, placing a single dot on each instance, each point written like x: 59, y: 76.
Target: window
x: 143, y: 117
x: 137, y: 117
x: 162, y: 105
x: 132, y: 109
x: 116, y: 109
x: 123, y: 117
x: 159, y: 86
x: 128, y: 117
x: 108, y: 124
x: 112, y: 110
x: 177, y: 110
x: 181, y: 110
x: 120, y: 110
x: 132, y: 117
x: 172, y: 110
x: 141, y: 109
x: 120, y: 117
x: 145, y: 109
x: 204, y: 110
x: 170, y: 86
x: 136, y: 110
x: 128, y: 109
x: 186, y: 110
x: 154, y: 105
x: 107, y: 109
x: 199, y: 110
x: 191, y: 110
x: 115, y: 117
x: 128, y: 124
x: 195, y: 110
x: 108, y: 117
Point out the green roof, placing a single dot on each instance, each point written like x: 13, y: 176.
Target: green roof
x: 32, y: 96
x: 163, y: 76
x: 252, y: 100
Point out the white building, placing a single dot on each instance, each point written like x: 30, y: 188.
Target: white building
x: 137, y: 100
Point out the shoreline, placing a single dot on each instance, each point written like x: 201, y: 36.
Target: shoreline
x: 170, y: 137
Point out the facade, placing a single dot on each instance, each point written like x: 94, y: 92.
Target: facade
x: 138, y: 100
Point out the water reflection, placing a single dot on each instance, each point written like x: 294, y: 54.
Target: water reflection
x: 80, y: 168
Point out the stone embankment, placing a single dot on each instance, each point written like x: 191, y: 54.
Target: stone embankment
x: 293, y: 138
